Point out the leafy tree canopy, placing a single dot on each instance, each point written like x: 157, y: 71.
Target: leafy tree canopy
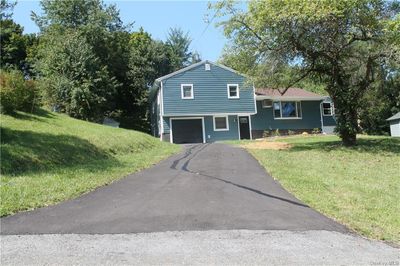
x: 6, y: 9
x: 178, y: 44
x: 78, y: 13
x: 339, y: 42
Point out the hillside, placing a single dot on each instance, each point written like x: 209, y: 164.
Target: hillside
x: 48, y: 157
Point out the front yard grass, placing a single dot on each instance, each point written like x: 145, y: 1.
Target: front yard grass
x: 47, y: 158
x: 357, y: 186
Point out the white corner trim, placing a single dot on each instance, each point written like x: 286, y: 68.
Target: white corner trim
x: 322, y: 118
x: 238, y: 126
x: 170, y: 130
x: 162, y: 98
x: 237, y: 90
x: 255, y: 99
x: 161, y: 113
x: 191, y: 89
x: 227, y: 123
x: 251, y: 135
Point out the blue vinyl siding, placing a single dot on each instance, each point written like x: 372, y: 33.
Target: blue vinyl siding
x: 166, y: 124
x: 210, y: 93
x: 212, y: 135
x: 264, y: 119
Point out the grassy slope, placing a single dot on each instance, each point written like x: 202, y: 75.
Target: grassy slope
x: 359, y: 186
x: 50, y: 157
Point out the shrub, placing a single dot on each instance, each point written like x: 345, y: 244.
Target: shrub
x: 315, y: 131
x: 277, y: 133
x: 291, y: 132
x: 16, y: 93
x: 266, y: 133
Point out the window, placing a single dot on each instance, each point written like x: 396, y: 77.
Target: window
x: 233, y: 91
x: 221, y: 123
x: 327, y: 109
x: 287, y: 110
x: 266, y: 103
x: 207, y: 67
x: 187, y: 91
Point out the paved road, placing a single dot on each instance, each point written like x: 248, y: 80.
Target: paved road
x: 233, y: 247
x: 208, y: 187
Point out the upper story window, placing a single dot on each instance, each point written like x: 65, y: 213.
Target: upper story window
x: 287, y: 110
x: 233, y: 91
x: 187, y: 91
x: 327, y: 109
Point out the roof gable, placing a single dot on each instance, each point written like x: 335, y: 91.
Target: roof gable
x: 194, y: 66
x: 394, y: 117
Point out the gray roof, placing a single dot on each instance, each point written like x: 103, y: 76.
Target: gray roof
x: 395, y: 117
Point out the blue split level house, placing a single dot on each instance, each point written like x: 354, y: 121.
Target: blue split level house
x: 208, y: 102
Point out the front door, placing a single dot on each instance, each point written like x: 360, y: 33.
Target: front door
x: 244, y: 127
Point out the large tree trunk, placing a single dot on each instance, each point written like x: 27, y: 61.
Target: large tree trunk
x: 347, y: 124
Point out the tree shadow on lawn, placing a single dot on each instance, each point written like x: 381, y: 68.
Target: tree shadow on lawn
x: 26, y: 151
x: 367, y: 145
x: 38, y: 115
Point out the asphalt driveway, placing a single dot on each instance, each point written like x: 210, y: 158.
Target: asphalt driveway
x: 207, y: 187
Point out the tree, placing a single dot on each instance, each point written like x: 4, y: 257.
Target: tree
x: 72, y: 80
x: 6, y: 9
x: 382, y: 100
x: 82, y: 57
x: 339, y: 42
x: 148, y: 60
x: 14, y: 45
x: 178, y: 44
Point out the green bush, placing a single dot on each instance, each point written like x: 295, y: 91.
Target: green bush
x: 16, y: 93
x: 266, y: 133
x: 316, y: 131
x: 276, y: 133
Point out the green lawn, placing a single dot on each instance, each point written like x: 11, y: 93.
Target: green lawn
x: 47, y: 158
x: 359, y: 187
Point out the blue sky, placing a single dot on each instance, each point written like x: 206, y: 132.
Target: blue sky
x: 156, y: 17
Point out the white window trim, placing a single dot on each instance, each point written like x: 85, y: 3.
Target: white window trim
x: 332, y: 109
x: 297, y: 117
x: 227, y: 123
x: 237, y: 90
x: 182, y: 94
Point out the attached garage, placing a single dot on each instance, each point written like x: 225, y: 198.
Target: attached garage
x: 187, y: 130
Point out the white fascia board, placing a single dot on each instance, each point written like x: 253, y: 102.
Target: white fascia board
x: 260, y: 98
x: 209, y: 114
x: 181, y: 70
x: 196, y: 65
